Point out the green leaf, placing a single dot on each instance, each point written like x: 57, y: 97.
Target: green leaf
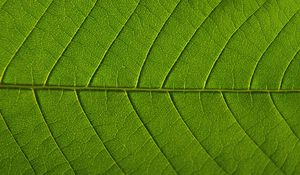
x: 149, y: 87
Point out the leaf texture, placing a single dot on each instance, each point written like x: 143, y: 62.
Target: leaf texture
x: 149, y: 87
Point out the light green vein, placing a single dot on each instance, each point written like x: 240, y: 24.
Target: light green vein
x: 65, y: 49
x: 146, y: 127
x: 242, y: 128
x: 283, y: 117
x: 1, y: 6
x: 187, y: 44
x: 8, y: 128
x: 25, y: 39
x: 153, y: 43
x: 194, y: 136
x: 270, y: 44
x: 110, y: 46
x: 48, y: 128
x: 98, y: 135
x: 225, y: 46
x: 287, y: 68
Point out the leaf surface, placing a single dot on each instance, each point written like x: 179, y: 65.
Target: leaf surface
x: 149, y: 87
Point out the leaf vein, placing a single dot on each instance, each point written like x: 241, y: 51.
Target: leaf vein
x: 154, y: 41
x: 282, y: 116
x: 270, y: 44
x: 98, y: 135
x: 129, y: 89
x: 36, y: 98
x: 147, y: 129
x: 3, y: 4
x: 187, y: 44
x: 22, y: 44
x: 228, y: 41
x: 194, y: 136
x: 287, y: 68
x: 68, y: 44
x: 26, y: 157
x: 239, y: 124
x: 110, y: 46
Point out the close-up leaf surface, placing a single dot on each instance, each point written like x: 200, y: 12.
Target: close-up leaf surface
x: 149, y: 87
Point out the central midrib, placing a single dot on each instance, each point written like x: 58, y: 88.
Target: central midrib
x: 99, y: 88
